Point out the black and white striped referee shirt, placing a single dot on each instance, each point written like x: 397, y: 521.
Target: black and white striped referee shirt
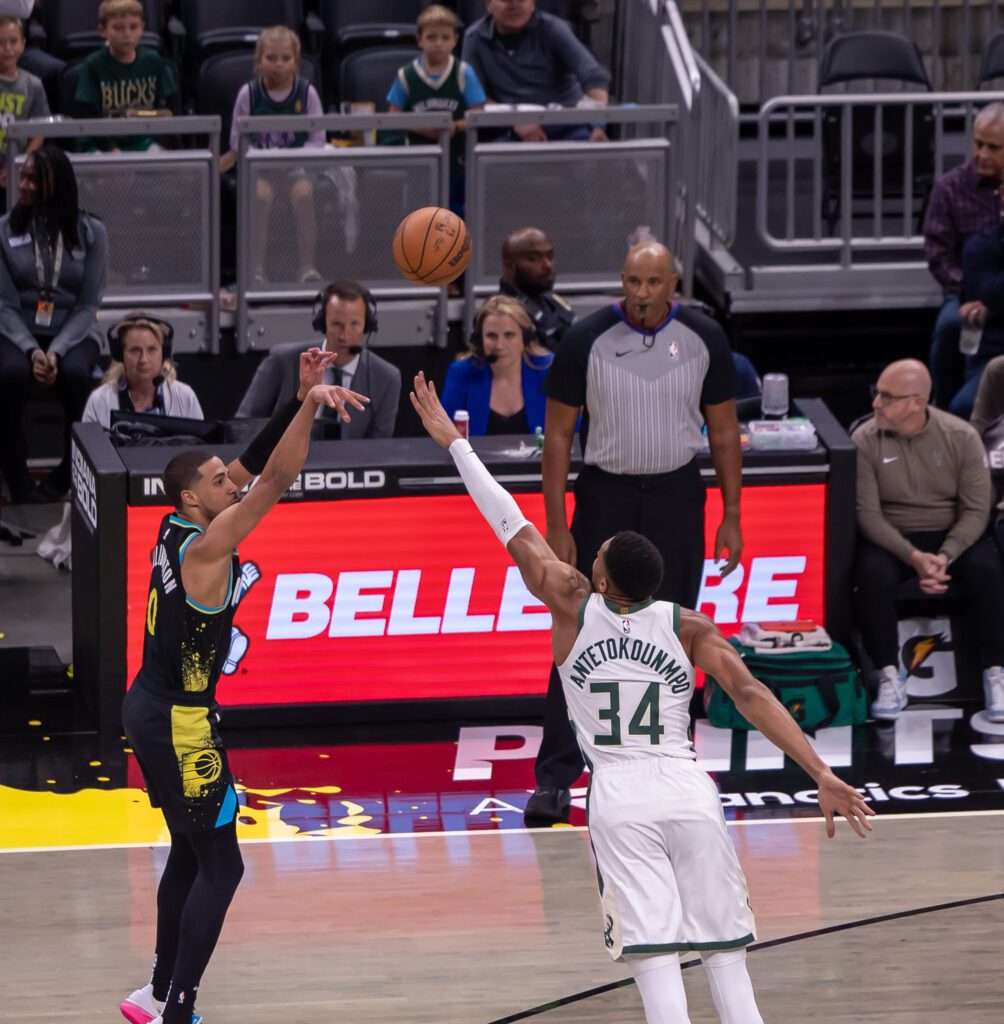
x: 642, y: 392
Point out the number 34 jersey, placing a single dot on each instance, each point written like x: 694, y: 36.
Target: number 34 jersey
x: 628, y: 683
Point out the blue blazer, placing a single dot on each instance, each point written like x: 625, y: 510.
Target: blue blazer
x: 469, y: 386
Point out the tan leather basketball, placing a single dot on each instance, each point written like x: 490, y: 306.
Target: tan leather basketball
x: 432, y: 246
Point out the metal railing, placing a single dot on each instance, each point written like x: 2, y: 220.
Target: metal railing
x: 589, y: 196
x: 763, y: 48
x: 161, y: 209
x: 718, y: 159
x: 831, y: 175
x: 657, y: 64
x: 358, y: 195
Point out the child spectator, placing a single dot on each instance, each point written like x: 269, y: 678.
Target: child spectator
x: 123, y: 77
x: 438, y: 81
x: 22, y: 96
x: 279, y: 90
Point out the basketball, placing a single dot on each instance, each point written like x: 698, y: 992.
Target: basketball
x: 432, y: 246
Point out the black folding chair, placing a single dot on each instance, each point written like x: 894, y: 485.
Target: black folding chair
x: 853, y: 58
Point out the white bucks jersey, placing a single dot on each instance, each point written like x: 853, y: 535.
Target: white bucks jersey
x: 628, y: 683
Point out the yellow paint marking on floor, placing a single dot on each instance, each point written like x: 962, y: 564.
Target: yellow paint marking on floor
x: 89, y: 817
x: 98, y: 817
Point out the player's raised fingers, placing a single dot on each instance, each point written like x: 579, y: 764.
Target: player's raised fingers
x: 854, y: 823
x: 831, y: 829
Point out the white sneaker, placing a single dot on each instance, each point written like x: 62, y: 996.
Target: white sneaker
x: 891, y: 698
x: 140, y: 1007
x: 993, y: 692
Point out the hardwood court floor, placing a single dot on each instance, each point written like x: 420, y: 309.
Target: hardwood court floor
x: 476, y: 927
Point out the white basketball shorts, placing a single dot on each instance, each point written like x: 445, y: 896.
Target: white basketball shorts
x: 669, y: 877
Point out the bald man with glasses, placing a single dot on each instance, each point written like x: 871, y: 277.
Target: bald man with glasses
x: 923, y: 508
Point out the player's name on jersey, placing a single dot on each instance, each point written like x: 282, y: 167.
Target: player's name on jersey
x: 648, y: 655
x: 161, y: 561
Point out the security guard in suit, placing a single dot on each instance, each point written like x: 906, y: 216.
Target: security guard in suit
x: 528, y: 276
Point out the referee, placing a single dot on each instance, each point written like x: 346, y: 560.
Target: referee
x: 646, y: 374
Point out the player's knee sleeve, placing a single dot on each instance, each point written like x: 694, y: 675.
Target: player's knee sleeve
x: 724, y: 959
x: 660, y: 984
x: 640, y: 964
x: 731, y: 988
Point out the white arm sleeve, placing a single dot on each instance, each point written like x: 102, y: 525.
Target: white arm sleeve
x: 494, y: 502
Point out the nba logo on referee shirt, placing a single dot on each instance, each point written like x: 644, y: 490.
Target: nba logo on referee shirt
x: 674, y: 350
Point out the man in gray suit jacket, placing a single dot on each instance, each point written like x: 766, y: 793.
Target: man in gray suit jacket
x: 346, y: 316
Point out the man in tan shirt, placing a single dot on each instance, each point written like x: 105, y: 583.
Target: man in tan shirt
x: 923, y: 507
x: 989, y: 405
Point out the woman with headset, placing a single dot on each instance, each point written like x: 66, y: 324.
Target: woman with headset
x: 142, y: 377
x: 500, y: 380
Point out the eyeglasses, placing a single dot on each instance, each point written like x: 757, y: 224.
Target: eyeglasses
x: 887, y: 397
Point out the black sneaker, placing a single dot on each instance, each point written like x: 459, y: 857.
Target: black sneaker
x: 48, y: 491
x: 547, y: 806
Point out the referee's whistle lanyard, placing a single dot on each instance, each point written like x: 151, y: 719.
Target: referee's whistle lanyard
x: 46, y: 304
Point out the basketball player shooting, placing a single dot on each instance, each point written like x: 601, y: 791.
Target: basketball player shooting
x: 669, y: 877
x: 170, y: 712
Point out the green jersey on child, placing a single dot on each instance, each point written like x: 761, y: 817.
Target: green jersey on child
x: 109, y: 88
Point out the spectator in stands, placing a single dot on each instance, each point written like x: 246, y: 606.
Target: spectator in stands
x: 53, y: 269
x: 963, y: 202
x: 522, y: 55
x: 989, y: 405
x: 142, y: 377
x: 748, y: 383
x: 528, y: 276
x: 123, y: 77
x: 923, y: 501
x: 345, y: 313
x: 437, y: 81
x: 500, y: 381
x: 22, y: 95
x: 279, y: 90
x: 983, y: 309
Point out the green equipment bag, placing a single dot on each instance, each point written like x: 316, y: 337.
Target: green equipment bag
x: 819, y: 688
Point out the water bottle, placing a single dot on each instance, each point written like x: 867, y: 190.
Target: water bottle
x: 462, y: 421
x: 774, y: 401
x: 969, y: 340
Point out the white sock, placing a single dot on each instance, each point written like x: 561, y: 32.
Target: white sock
x: 731, y: 988
x: 660, y: 982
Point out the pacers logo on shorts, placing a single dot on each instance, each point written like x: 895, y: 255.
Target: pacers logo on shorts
x: 200, y: 769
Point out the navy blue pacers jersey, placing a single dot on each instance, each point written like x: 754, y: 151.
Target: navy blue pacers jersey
x: 185, y: 644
